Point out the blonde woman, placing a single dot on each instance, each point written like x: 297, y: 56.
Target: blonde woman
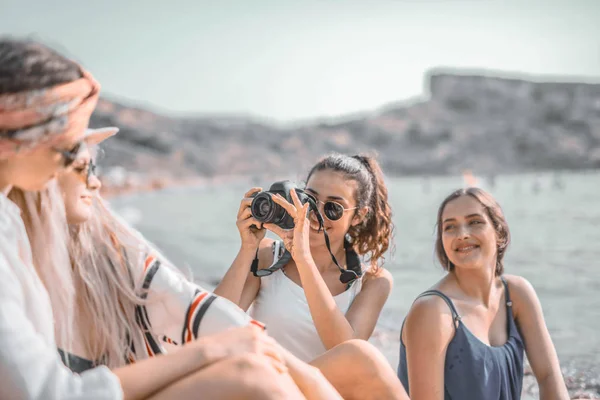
x: 45, y: 104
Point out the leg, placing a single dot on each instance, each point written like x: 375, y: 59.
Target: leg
x: 243, y: 377
x: 359, y: 371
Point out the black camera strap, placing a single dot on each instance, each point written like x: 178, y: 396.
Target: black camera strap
x: 347, y: 276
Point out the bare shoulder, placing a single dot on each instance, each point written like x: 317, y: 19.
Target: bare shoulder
x: 520, y: 288
x: 522, y: 293
x: 381, y: 280
x: 429, y: 319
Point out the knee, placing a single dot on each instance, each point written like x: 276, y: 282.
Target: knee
x: 364, y: 356
x: 359, y: 348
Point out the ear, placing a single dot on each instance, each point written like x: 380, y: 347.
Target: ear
x: 360, y: 216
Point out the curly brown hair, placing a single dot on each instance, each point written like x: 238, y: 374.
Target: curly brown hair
x: 494, y: 212
x: 373, y: 236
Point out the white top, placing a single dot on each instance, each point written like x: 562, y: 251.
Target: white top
x: 30, y: 365
x: 282, y: 306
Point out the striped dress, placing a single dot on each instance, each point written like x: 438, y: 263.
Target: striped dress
x: 175, y: 311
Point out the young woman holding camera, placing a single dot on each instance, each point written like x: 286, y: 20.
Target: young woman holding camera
x: 304, y: 304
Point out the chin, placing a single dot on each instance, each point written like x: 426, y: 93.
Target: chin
x: 77, y: 218
x: 468, y: 265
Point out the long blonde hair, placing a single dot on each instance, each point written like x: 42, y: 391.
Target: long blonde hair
x: 104, y: 266
x: 104, y: 252
x: 43, y: 214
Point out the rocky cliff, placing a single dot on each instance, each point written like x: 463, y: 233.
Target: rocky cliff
x: 488, y: 124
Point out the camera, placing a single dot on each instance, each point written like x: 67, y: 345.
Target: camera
x: 265, y: 210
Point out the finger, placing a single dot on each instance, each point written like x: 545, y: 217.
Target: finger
x: 244, y: 214
x: 276, y: 363
x: 247, y: 224
x: 252, y: 191
x: 295, y: 199
x: 271, y: 349
x: 245, y: 204
x: 285, y: 204
x: 302, y: 221
x: 282, y: 233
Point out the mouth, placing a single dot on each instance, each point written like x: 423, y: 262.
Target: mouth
x: 466, y: 248
x: 87, y: 199
x: 314, y: 226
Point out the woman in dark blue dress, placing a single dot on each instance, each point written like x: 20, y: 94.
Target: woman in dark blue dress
x: 465, y: 338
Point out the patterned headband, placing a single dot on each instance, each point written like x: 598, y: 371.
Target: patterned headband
x: 46, y: 116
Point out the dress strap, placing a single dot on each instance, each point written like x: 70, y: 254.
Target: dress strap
x: 507, y: 292
x: 455, y: 315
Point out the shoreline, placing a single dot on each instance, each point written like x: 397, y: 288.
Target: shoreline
x: 581, y: 377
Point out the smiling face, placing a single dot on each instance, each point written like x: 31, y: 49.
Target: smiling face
x: 327, y: 185
x: 79, y: 191
x: 468, y: 235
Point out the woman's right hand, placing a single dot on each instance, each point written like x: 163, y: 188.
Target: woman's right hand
x: 238, y: 341
x: 251, y: 231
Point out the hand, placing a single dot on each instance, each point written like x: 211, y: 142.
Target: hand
x: 296, y: 240
x: 251, y: 231
x: 241, y: 340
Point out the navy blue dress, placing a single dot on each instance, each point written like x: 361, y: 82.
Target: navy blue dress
x: 473, y: 370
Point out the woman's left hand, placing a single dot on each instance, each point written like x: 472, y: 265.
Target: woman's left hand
x: 296, y: 240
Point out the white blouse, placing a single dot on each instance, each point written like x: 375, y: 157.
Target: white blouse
x: 30, y: 366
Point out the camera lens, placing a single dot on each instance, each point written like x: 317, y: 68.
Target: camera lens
x: 262, y: 208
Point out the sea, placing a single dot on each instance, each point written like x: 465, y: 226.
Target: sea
x: 554, y: 219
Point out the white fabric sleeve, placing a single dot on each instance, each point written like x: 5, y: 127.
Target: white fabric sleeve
x: 30, y: 366
x: 182, y: 310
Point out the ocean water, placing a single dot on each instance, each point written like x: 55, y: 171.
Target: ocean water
x: 554, y: 221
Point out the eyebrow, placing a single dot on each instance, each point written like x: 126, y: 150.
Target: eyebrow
x: 467, y: 217
x: 329, y: 197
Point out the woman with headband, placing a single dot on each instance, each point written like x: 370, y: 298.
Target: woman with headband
x: 45, y: 104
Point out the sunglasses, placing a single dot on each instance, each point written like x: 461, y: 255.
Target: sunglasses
x: 86, y: 171
x: 69, y: 156
x: 334, y: 211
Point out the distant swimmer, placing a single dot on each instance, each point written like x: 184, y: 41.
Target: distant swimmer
x: 469, y: 179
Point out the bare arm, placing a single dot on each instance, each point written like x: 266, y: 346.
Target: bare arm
x: 332, y: 325
x: 239, y: 285
x: 428, y: 330
x: 538, y: 344
x: 144, y: 378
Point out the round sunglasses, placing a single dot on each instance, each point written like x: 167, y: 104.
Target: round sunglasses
x: 334, y: 211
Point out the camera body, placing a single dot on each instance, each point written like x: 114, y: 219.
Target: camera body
x: 265, y: 210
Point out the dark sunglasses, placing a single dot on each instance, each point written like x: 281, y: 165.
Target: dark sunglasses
x: 69, y: 156
x: 333, y: 211
x: 87, y: 170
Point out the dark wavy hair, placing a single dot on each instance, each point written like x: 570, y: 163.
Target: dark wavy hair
x: 373, y: 236
x: 495, y: 214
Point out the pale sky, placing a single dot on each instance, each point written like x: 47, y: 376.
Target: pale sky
x: 296, y: 59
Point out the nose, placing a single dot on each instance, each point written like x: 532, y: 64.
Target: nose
x: 463, y: 232
x: 94, y: 183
